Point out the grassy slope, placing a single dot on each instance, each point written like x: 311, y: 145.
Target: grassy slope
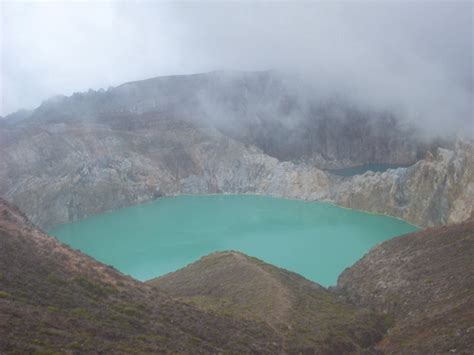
x: 53, y: 298
x: 305, y: 314
x: 424, y: 281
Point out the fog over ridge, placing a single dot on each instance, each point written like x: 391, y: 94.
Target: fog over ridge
x: 414, y: 59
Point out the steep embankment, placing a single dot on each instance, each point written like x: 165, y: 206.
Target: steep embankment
x: 306, y: 315
x: 222, y: 133
x: 58, y: 173
x: 424, y: 282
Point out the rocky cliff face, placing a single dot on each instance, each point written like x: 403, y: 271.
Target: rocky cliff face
x: 221, y: 133
x: 436, y: 190
x: 61, y: 172
x: 280, y: 115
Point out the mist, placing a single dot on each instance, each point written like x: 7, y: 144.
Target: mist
x: 413, y: 59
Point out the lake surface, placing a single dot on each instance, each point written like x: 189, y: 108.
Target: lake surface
x: 317, y: 240
x: 359, y: 170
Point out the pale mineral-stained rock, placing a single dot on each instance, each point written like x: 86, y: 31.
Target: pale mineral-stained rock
x: 77, y: 156
x: 62, y: 173
x: 435, y: 191
x: 58, y: 173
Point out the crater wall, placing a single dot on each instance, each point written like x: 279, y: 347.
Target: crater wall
x: 223, y: 133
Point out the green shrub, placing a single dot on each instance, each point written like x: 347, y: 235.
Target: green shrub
x: 53, y: 309
x: 46, y: 352
x: 92, y: 288
x: 82, y: 312
x: 388, y: 320
x: 75, y: 346
x: 131, y: 311
x: 52, y: 278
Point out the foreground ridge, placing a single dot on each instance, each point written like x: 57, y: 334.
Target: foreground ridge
x: 412, y: 293
x: 53, y: 298
x: 305, y: 314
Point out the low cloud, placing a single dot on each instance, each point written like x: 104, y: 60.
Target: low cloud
x: 413, y: 58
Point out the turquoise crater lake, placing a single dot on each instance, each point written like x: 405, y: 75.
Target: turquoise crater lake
x: 316, y: 240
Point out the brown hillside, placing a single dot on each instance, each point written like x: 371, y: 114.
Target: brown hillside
x: 53, y: 298
x: 425, y: 282
x: 305, y: 314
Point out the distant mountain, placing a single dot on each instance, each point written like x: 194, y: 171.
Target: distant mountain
x: 283, y: 116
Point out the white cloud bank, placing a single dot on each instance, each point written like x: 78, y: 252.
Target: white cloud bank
x: 416, y: 57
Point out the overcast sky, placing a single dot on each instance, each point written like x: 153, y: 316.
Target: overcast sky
x: 418, y: 55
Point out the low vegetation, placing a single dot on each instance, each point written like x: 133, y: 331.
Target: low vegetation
x: 54, y: 299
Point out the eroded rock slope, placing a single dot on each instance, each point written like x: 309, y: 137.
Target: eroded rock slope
x: 280, y: 114
x: 77, y: 156
x: 437, y: 190
x: 57, y: 173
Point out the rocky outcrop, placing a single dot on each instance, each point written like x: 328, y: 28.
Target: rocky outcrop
x: 57, y: 173
x: 424, y: 284
x: 437, y: 190
x: 61, y: 172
